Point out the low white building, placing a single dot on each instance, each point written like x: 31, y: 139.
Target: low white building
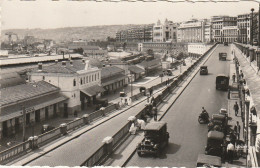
x: 77, y: 80
x: 198, y: 48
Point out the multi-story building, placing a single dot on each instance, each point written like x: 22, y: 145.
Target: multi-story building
x: 77, y: 80
x: 224, y: 28
x: 207, y: 31
x: 136, y: 34
x: 243, y: 26
x: 254, y: 29
x: 95, y: 52
x: 194, y: 31
x: 165, y: 32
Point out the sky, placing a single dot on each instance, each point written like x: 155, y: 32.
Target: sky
x: 18, y: 14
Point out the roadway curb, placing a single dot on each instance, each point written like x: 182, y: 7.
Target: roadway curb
x: 131, y: 155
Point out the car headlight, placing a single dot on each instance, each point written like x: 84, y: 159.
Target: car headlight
x: 155, y: 146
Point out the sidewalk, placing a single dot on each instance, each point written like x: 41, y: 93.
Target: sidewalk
x: 231, y: 113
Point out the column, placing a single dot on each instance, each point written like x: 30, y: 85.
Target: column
x: 258, y: 58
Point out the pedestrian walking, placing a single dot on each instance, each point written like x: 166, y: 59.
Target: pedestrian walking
x: 230, y: 152
x: 236, y: 108
x: 234, y: 77
x: 241, y: 75
x: 238, y: 130
x: 155, y: 113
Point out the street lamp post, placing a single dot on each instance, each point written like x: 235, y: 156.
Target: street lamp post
x: 251, y: 27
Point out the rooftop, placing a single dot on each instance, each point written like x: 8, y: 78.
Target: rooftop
x: 77, y: 65
x: 109, y: 71
x: 25, y: 91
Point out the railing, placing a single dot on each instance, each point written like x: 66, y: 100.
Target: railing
x: 95, y: 157
x: 46, y: 137
x: 74, y: 124
x: 14, y: 151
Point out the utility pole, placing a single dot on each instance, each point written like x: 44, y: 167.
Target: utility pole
x: 24, y: 121
x: 259, y: 25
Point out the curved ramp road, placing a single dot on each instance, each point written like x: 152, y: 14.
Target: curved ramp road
x: 187, y: 136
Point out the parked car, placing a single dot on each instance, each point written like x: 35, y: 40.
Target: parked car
x: 222, y: 82
x: 155, y: 139
x: 208, y: 161
x: 46, y: 128
x: 223, y: 56
x: 169, y: 72
x: 215, y: 143
x: 203, y: 70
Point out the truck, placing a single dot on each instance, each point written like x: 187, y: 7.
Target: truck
x: 223, y: 56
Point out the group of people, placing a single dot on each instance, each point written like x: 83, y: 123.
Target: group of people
x: 241, y: 76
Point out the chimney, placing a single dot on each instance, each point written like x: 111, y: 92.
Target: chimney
x: 56, y: 61
x: 86, y: 66
x: 63, y: 63
x: 71, y: 62
x: 40, y: 66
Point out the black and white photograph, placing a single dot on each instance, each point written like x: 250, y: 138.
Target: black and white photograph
x: 130, y: 83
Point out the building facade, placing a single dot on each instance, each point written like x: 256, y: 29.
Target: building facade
x: 164, y: 32
x: 224, y: 29
x: 77, y: 80
x: 35, y: 101
x: 135, y: 34
x: 243, y: 26
x: 95, y: 52
x: 194, y: 31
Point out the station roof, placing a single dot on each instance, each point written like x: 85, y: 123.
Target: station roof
x: 59, y: 68
x: 110, y: 71
x: 23, y: 92
x: 135, y: 69
x: 10, y: 79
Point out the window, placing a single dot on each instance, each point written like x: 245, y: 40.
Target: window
x: 74, y: 82
x: 86, y: 79
x: 92, y: 78
x: 95, y: 77
x: 43, y: 77
x: 81, y: 81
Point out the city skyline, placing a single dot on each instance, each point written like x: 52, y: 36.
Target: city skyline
x: 58, y: 14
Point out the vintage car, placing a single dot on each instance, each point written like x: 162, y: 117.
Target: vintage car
x: 169, y: 72
x: 208, y: 161
x: 222, y: 56
x: 143, y: 90
x: 155, y: 139
x: 101, y: 102
x: 222, y: 82
x: 46, y: 128
x: 218, y: 122
x: 215, y: 143
x: 225, y: 43
x: 203, y: 70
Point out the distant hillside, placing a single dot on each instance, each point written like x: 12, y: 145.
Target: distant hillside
x: 69, y: 33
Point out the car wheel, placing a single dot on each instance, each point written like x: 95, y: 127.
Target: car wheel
x: 200, y: 120
x: 140, y: 154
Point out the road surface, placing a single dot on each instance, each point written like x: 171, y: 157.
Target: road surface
x: 187, y: 136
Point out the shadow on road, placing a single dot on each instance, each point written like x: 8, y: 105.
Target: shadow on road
x: 170, y: 149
